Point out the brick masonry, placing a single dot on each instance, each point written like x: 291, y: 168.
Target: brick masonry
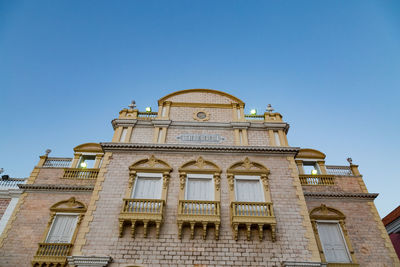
x: 3, y: 205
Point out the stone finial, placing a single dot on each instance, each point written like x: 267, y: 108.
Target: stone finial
x: 1, y: 170
x: 47, y: 152
x: 350, y: 160
x: 269, y: 108
x: 132, y: 105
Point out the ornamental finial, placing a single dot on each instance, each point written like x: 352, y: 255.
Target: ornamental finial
x: 350, y: 160
x: 132, y: 105
x: 269, y: 108
x: 47, y: 152
x: 1, y: 170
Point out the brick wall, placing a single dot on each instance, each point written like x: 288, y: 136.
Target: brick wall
x: 28, y: 229
x: 103, y: 239
x: 369, y: 246
x: 142, y: 134
x: 258, y: 137
x: 3, y: 205
x: 345, y: 184
x: 201, y: 97
x: 186, y: 114
x: 54, y: 176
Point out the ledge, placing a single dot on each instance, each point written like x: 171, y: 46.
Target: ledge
x: 266, y: 150
x: 367, y: 196
x: 55, y: 187
x: 95, y: 261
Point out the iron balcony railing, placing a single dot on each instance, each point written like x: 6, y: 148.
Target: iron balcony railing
x: 147, y: 115
x: 339, y: 170
x: 78, y: 173
x: 57, y: 162
x: 319, y: 179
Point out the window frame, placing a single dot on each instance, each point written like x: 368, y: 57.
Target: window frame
x: 148, y: 175
x: 209, y: 177
x: 249, y: 178
x: 53, y: 224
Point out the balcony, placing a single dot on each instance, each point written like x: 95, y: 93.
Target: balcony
x: 194, y: 212
x: 52, y: 254
x: 339, y: 170
x: 81, y: 174
x: 141, y: 210
x: 253, y: 213
x: 310, y: 179
x: 343, y: 265
x: 57, y: 162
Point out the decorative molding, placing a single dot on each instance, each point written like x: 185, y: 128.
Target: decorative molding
x: 161, y: 123
x: 308, y: 153
x: 367, y: 196
x: 55, y: 187
x: 265, y: 150
x: 197, y: 116
x: 89, y: 147
x: 10, y: 193
x: 303, y: 264
x: 89, y: 261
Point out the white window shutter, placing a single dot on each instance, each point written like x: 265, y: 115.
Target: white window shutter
x: 249, y: 190
x: 62, y: 228
x: 199, y: 189
x: 147, y: 188
x: 333, y: 243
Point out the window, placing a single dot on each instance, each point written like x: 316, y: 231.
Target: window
x: 311, y: 167
x: 333, y: 242
x: 147, y: 186
x: 248, y: 189
x: 199, y: 187
x: 62, y: 228
x: 87, y: 161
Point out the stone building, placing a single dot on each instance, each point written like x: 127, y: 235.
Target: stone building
x: 198, y: 183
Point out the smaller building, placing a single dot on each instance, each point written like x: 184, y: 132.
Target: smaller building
x: 392, y: 224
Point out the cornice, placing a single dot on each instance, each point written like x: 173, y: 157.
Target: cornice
x: 55, y: 187
x: 203, y: 124
x: 265, y: 150
x: 10, y: 193
x: 366, y: 196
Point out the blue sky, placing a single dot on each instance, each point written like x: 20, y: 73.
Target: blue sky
x: 332, y: 68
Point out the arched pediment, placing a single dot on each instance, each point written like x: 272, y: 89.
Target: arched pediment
x: 199, y: 166
x: 326, y: 213
x: 247, y: 167
x: 219, y: 94
x: 151, y: 164
x: 70, y: 205
x: 89, y: 147
x: 308, y: 153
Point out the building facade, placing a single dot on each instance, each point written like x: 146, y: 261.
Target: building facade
x: 392, y: 224
x: 197, y: 183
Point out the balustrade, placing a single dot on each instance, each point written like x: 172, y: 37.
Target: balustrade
x: 52, y: 254
x: 57, y: 162
x: 316, y: 179
x: 80, y: 173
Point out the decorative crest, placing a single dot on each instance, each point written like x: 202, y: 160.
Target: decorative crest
x: 200, y: 162
x: 247, y: 164
x: 132, y: 105
x: 269, y: 108
x: 152, y: 161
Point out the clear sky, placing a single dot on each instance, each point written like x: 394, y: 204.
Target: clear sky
x: 332, y: 68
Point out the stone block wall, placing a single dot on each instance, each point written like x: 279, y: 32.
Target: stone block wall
x: 168, y: 250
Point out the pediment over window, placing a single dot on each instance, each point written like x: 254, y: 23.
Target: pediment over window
x: 70, y: 205
x: 326, y: 213
x: 248, y: 167
x: 89, y: 147
x: 152, y: 164
x: 309, y: 153
x: 199, y: 166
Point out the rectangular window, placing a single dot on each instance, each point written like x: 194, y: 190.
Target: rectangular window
x: 199, y: 187
x: 277, y: 140
x: 87, y: 161
x: 62, y: 228
x: 311, y: 167
x: 147, y: 186
x: 333, y: 243
x: 248, y: 189
x: 123, y: 134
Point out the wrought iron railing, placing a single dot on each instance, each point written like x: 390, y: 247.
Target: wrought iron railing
x: 339, y: 170
x: 153, y: 206
x: 78, y: 173
x: 57, y: 162
x: 199, y: 207
x: 54, y: 249
x: 147, y: 115
x: 252, y: 209
x: 254, y: 117
x: 316, y: 179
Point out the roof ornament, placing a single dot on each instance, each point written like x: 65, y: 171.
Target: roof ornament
x: 350, y: 160
x: 1, y: 170
x: 48, y: 152
x: 132, y: 105
x: 269, y: 108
